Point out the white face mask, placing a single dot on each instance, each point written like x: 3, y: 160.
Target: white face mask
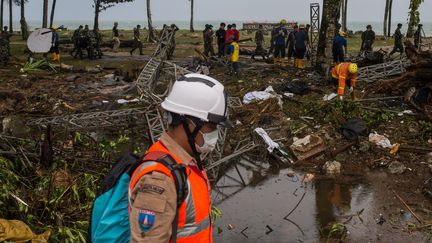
x: 210, y: 141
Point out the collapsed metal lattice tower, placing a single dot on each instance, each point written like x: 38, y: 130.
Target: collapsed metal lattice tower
x: 383, y: 70
x: 146, y: 84
x: 315, y: 27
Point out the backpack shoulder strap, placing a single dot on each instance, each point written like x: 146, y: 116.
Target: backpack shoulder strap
x: 178, y: 172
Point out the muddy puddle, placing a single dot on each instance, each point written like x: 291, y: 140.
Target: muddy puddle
x: 266, y: 209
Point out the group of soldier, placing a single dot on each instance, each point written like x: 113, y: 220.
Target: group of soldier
x: 4, y: 46
x: 87, y: 40
x: 368, y: 39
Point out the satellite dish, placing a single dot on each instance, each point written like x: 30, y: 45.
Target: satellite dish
x: 40, y: 41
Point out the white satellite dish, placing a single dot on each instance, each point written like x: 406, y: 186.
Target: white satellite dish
x: 40, y: 41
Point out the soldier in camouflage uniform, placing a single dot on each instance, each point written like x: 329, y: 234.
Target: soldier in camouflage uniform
x: 91, y: 38
x: 208, y: 41
x: 76, y: 39
x: 272, y: 46
x: 398, y: 46
x: 137, y: 41
x: 259, y: 41
x: 6, y: 36
x: 98, y: 39
x: 368, y: 39
x: 4, y: 51
x: 418, y: 36
x: 172, y: 45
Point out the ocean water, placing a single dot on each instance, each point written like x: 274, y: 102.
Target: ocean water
x: 199, y: 25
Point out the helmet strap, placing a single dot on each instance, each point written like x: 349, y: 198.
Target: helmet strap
x: 191, y: 139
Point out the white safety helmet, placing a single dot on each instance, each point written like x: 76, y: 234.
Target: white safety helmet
x: 199, y: 96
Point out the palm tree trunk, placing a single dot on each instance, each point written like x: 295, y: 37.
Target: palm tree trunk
x: 386, y: 11
x: 52, y: 13
x: 413, y: 17
x: 151, y: 36
x: 192, y: 15
x: 97, y: 11
x: 346, y: 16
x: 390, y: 9
x: 10, y: 17
x: 23, y: 22
x: 331, y: 12
x: 344, y: 11
x: 1, y: 13
x: 45, y: 14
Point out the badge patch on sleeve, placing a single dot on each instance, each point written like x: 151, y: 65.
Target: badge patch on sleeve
x: 146, y: 220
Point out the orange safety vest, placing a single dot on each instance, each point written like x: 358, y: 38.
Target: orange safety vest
x: 341, y: 73
x: 194, y: 223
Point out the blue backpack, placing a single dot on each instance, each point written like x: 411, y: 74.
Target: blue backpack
x: 109, y: 220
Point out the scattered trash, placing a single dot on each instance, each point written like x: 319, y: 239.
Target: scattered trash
x: 230, y: 227
x: 395, y: 149
x: 397, y: 167
x: 66, y: 67
x: 259, y: 95
x: 270, y: 143
x: 19, y: 199
x: 330, y: 96
x: 332, y: 167
x: 72, y: 77
x: 308, y: 178
x: 381, y: 220
x: 96, y: 69
x: 18, y: 231
x: 297, y: 87
x: 123, y: 101
x: 381, y: 140
x: 307, y: 147
x: 406, y: 112
x: 289, y: 95
x: 290, y: 173
x: 354, y: 128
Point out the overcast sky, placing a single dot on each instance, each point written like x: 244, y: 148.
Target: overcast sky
x: 358, y: 10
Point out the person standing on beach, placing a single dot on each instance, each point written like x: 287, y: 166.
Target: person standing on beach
x: 116, y: 37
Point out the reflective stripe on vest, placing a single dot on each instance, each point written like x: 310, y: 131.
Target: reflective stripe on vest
x: 188, y: 228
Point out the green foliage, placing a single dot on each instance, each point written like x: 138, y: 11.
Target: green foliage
x: 215, y: 214
x: 414, y: 11
x: 385, y: 116
x: 108, y: 147
x: 426, y: 126
x: 105, y: 4
x: 337, y: 231
x: 36, y: 66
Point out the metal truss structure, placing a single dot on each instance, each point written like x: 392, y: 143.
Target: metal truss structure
x: 384, y: 70
x: 148, y: 77
x: 234, y: 180
x: 90, y: 120
x: 315, y: 27
x: 147, y: 84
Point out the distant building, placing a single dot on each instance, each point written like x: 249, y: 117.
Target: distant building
x: 252, y: 26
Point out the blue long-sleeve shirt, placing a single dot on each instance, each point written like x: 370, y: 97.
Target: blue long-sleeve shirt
x: 280, y: 34
x: 339, y: 42
x: 55, y: 37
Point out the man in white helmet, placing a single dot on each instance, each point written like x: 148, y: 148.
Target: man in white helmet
x: 196, y: 106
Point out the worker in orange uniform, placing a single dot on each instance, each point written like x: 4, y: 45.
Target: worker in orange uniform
x: 346, y: 75
x: 196, y: 106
